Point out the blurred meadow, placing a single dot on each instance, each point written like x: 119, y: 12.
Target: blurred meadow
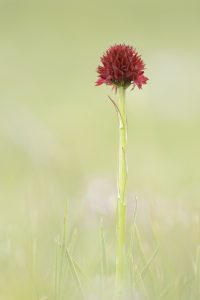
x: 58, y: 150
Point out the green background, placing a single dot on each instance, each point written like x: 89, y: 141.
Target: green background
x: 58, y: 134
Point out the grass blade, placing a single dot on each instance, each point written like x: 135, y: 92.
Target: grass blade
x: 74, y: 271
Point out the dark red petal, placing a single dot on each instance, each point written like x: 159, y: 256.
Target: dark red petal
x: 121, y: 65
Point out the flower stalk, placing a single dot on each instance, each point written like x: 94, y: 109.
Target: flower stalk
x: 122, y: 183
x: 121, y: 66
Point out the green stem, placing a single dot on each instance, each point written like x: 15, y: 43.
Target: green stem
x: 122, y: 182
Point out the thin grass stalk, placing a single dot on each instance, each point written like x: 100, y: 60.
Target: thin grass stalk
x: 74, y: 271
x: 103, y: 251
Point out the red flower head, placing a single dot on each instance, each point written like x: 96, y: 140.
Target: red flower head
x: 121, y: 66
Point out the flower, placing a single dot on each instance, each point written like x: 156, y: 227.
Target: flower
x: 121, y: 66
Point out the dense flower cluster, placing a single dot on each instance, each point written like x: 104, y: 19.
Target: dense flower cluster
x: 121, y: 66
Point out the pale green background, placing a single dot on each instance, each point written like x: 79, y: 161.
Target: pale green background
x: 58, y: 132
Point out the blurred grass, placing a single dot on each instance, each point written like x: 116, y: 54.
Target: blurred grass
x: 58, y: 143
